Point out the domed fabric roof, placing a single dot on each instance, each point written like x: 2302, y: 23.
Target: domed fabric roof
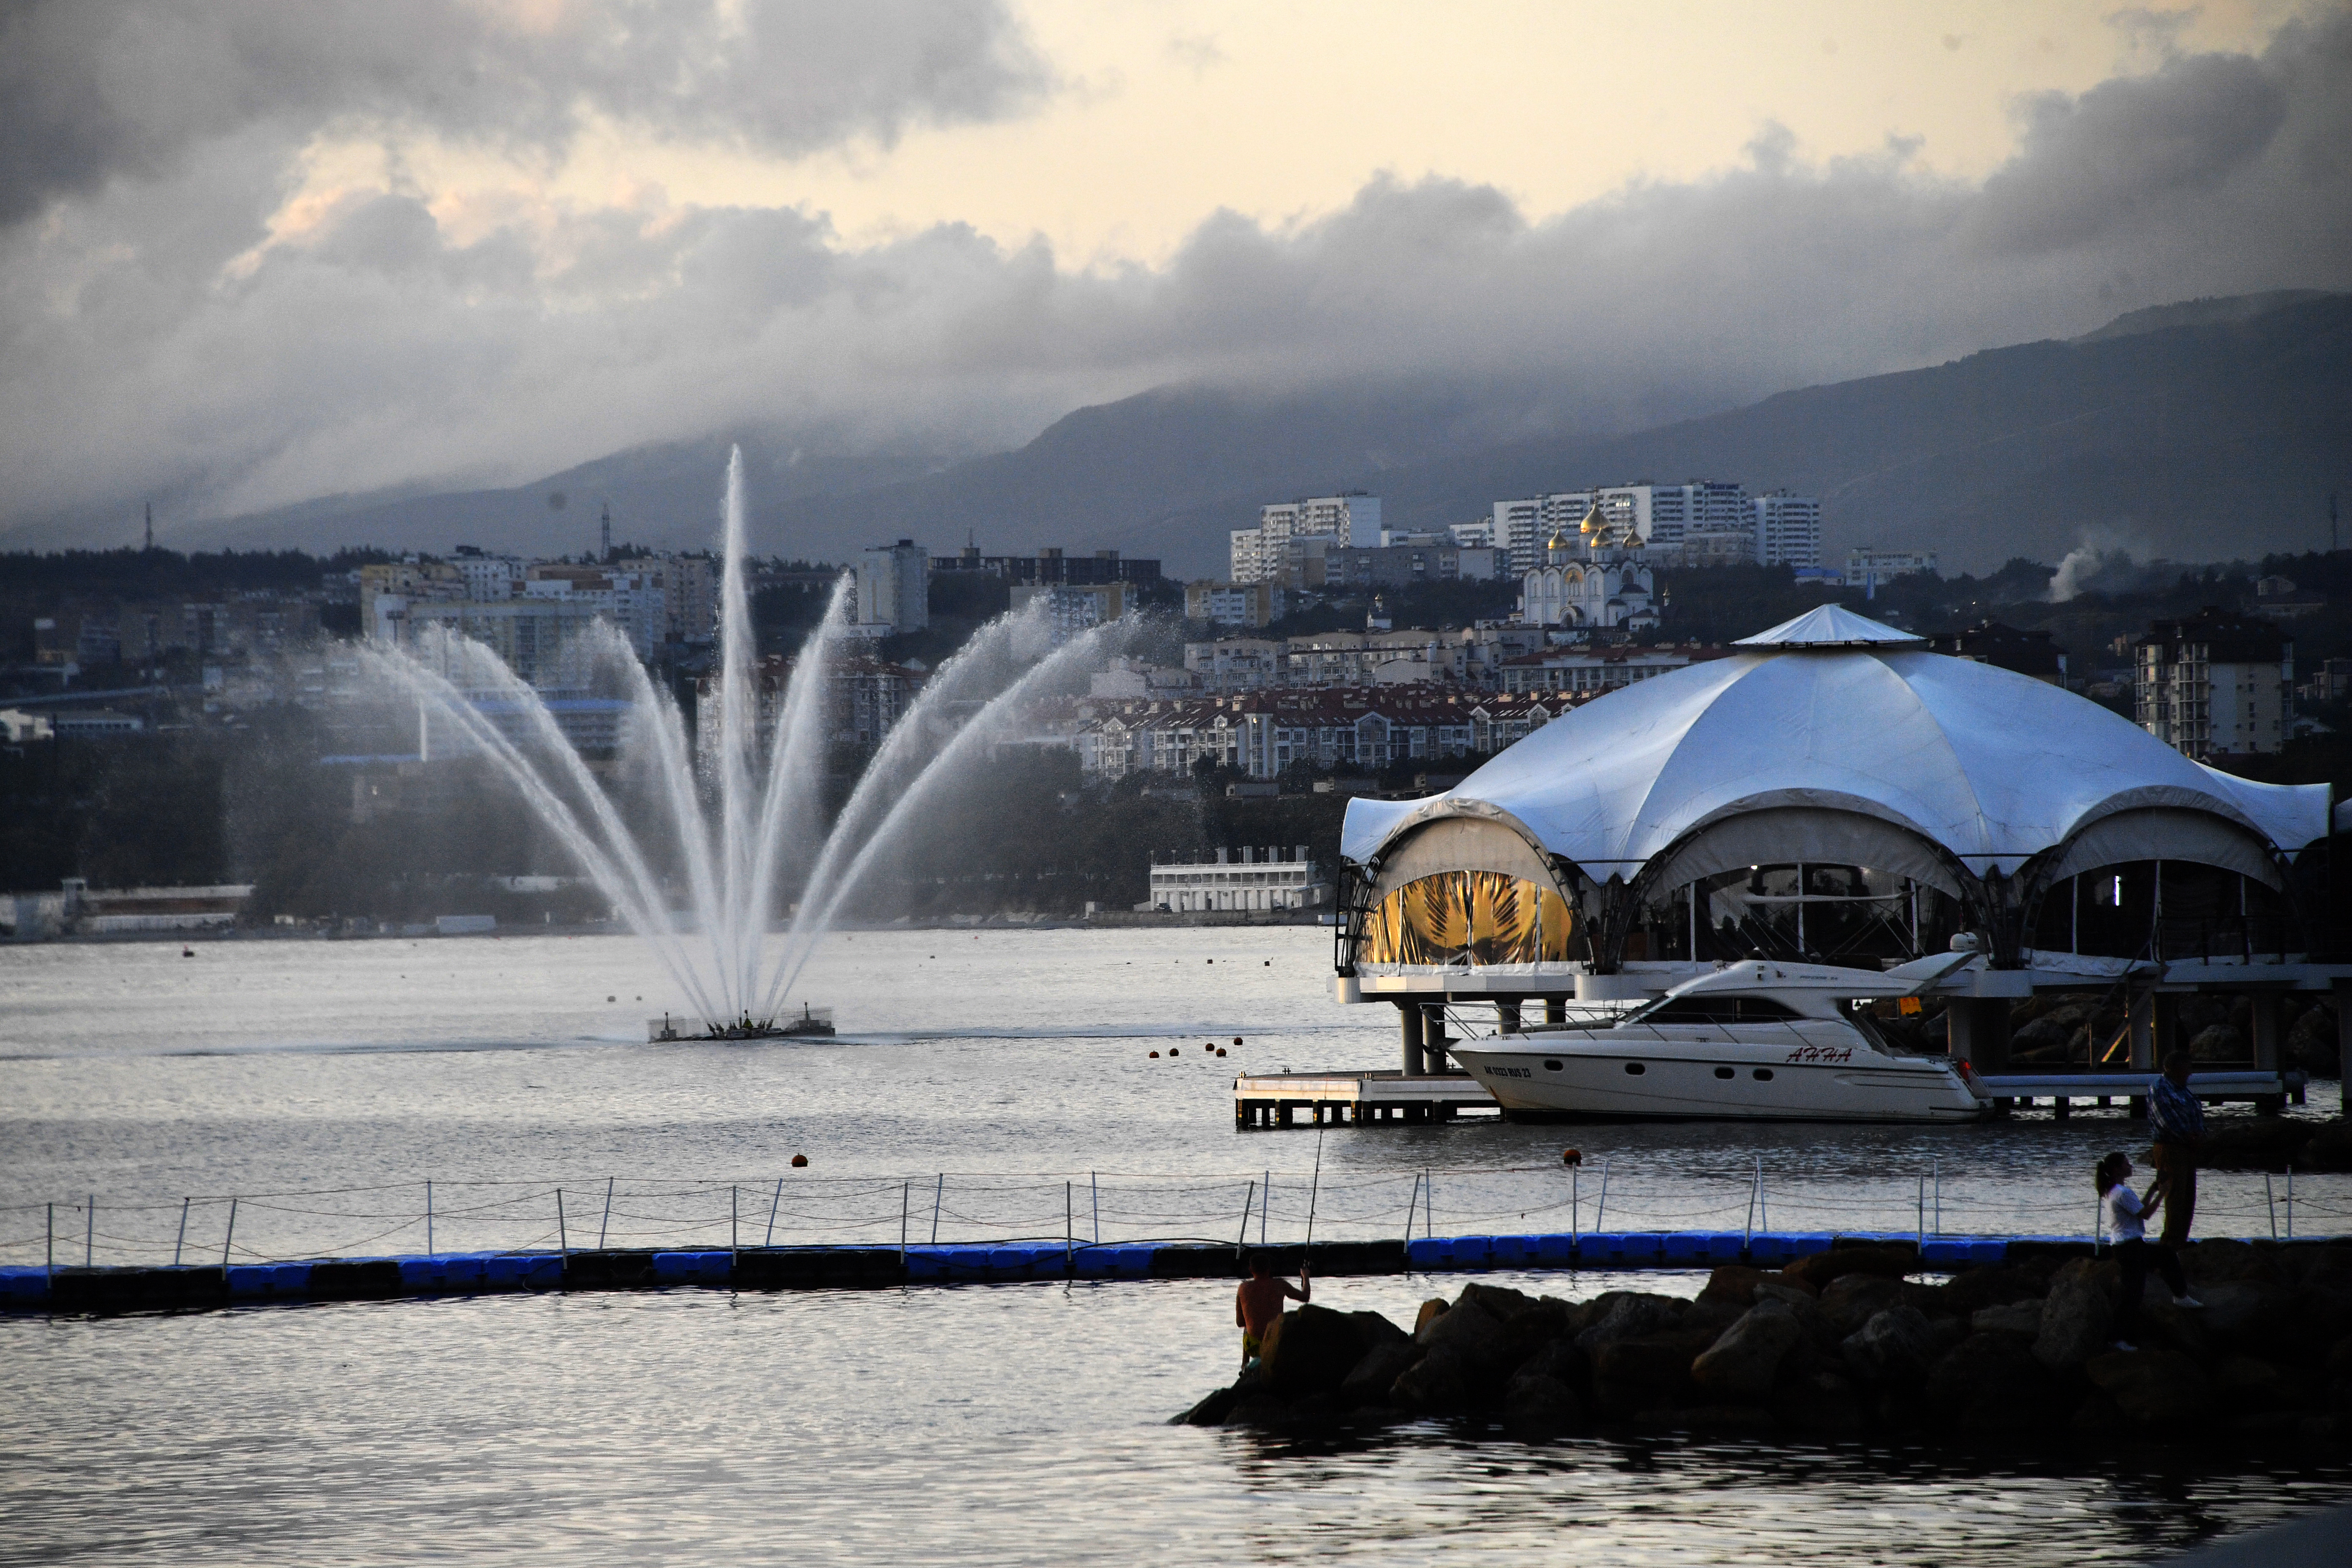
x: 1823, y: 714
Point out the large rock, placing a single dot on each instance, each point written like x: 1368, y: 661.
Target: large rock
x: 1560, y: 1358
x: 1820, y: 1404
x: 2243, y: 1383
x: 1849, y: 1302
x: 1439, y: 1384
x: 2212, y: 1262
x: 1649, y: 1373
x: 2152, y: 1387
x: 1536, y: 1405
x: 1210, y: 1412
x: 2021, y: 1318
x: 1735, y: 1283
x: 1886, y: 1262
x: 1627, y: 1314
x: 1309, y: 1351
x: 1990, y: 1383
x: 1744, y: 1361
x: 1797, y: 1299
x: 1371, y: 1379
x: 1995, y: 1286
x: 1471, y: 1334
x: 1374, y: 1329
x: 2076, y: 1319
x: 2245, y: 1314
x: 1896, y: 1346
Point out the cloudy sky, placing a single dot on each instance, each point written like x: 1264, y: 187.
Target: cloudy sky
x: 252, y: 252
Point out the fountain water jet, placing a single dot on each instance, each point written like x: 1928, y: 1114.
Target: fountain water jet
x: 764, y: 826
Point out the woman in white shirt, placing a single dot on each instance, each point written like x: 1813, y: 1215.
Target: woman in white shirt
x: 2122, y: 1209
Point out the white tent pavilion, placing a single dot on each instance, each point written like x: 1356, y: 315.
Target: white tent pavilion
x: 1840, y: 749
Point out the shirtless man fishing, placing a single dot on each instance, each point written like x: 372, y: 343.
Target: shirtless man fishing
x: 1258, y: 1304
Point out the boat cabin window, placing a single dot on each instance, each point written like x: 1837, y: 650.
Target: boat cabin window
x: 1706, y: 1009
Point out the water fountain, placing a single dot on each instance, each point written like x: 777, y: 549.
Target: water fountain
x: 764, y: 832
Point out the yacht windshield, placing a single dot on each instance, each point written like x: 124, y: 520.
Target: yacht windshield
x: 1715, y: 1008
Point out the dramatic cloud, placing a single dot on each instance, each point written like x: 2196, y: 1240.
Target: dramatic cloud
x: 196, y: 312
x: 90, y: 89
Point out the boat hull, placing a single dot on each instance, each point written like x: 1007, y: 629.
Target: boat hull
x: 1588, y: 1078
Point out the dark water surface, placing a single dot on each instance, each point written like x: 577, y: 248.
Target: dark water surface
x: 1006, y: 1424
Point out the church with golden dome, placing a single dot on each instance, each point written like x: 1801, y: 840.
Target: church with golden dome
x: 1600, y: 578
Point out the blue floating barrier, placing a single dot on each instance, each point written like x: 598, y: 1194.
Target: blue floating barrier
x: 250, y: 1279
x: 687, y: 1267
x: 1134, y: 1260
x: 505, y: 1271
x: 923, y: 1264
x: 1510, y: 1251
x: 1556, y: 1251
x: 1725, y: 1246
x: 1682, y: 1246
x: 1640, y: 1249
x: 1983, y: 1251
x: 1012, y: 1262
x: 290, y: 1279
x: 968, y: 1262
x: 24, y: 1286
x: 1796, y: 1244
x: 420, y: 1274
x: 1427, y: 1253
x: 463, y: 1271
x: 1472, y: 1252
x: 1944, y: 1251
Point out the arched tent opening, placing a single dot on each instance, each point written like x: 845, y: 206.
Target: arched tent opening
x: 1463, y: 892
x: 2163, y: 884
x: 1794, y: 882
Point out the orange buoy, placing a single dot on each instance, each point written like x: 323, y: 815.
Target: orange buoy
x: 1221, y: 1050
x: 1171, y: 1050
x: 1571, y: 1156
x: 1155, y: 1056
x: 799, y: 1161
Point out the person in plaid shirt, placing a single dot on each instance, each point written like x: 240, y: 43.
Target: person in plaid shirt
x: 2179, y: 1125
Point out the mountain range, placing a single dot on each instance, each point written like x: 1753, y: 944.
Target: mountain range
x: 2203, y: 430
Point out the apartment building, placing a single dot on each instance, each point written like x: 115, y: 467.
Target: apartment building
x: 1257, y: 554
x: 1788, y: 529
x: 2215, y: 684
x: 893, y: 588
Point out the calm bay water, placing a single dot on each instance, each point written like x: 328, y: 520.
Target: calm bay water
x: 1008, y: 1423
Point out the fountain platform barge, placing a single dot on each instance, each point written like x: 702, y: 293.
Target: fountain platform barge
x: 812, y: 1023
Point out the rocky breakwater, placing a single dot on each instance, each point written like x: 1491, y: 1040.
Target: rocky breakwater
x: 1846, y: 1345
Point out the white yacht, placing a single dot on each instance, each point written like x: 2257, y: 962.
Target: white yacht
x: 1757, y: 1040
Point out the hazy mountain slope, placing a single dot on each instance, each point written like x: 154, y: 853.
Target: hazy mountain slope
x: 2194, y: 442
x: 2209, y: 429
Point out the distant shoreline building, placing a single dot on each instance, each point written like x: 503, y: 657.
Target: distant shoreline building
x: 1262, y: 553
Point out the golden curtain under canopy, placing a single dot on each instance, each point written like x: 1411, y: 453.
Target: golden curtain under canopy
x: 1478, y: 918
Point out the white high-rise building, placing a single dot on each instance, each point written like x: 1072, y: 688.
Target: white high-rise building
x: 1788, y: 529
x: 1259, y: 554
x: 1248, y: 556
x: 894, y: 587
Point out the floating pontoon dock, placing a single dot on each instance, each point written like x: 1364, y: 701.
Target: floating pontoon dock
x: 1356, y: 1099
x: 116, y: 1290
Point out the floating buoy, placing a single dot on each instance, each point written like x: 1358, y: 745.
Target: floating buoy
x: 1269, y: 964
x: 1171, y: 1050
x: 611, y: 998
x: 187, y: 952
x: 799, y: 1161
x: 1571, y: 1156
x: 1155, y: 1056
x: 1237, y: 1040
x: 1213, y: 961
x: 1221, y: 1050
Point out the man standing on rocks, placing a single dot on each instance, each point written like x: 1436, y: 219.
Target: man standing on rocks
x: 2180, y: 1124
x: 1258, y: 1304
